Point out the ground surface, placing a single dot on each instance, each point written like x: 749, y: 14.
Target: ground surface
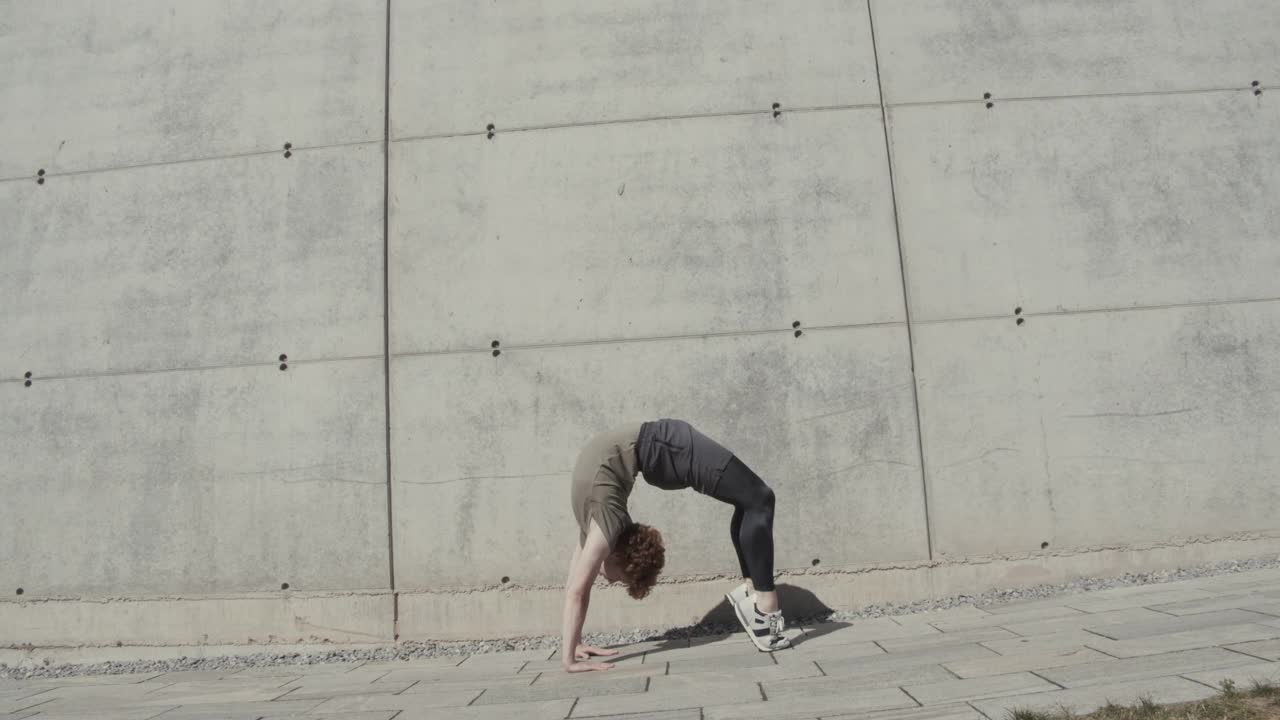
x: 1173, y: 642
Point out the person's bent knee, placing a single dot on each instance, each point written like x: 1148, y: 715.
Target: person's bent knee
x: 768, y: 500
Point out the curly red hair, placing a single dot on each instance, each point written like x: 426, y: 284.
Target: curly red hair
x: 641, y: 556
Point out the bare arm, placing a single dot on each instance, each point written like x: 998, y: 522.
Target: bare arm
x: 577, y: 596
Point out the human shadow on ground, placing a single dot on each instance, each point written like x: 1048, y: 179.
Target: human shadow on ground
x: 802, y: 609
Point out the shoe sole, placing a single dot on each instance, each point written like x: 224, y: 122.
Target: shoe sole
x: 742, y: 620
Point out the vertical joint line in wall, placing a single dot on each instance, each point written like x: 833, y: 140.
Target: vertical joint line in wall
x: 906, y: 298
x: 386, y: 318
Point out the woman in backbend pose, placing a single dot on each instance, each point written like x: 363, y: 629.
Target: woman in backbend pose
x: 671, y: 455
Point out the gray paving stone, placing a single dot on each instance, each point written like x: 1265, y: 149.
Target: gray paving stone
x: 853, y: 667
x: 862, y: 631
x: 1221, y: 602
x: 217, y: 691
x: 506, y: 659
x: 1086, y: 700
x: 422, y: 664
x: 455, y: 676
x: 1020, y: 663
x: 45, y: 684
x: 314, y: 688
x: 303, y: 670
x: 767, y: 674
x: 1270, y: 608
x: 671, y: 697
x: 737, y: 644
x: 743, y: 660
x: 805, y: 651
x: 940, y: 640
x: 674, y: 698
x: 965, y: 612
x: 100, y: 696
x: 1244, y: 676
x: 1259, y: 580
x: 361, y: 703
x: 923, y: 674
x: 1135, y: 599
x: 193, y: 675
x: 368, y: 715
x: 1208, y: 637
x: 952, y: 691
x: 9, y: 696
x: 560, y: 677
x: 813, y: 706
x: 1005, y: 619
x: 535, y: 693
x: 1016, y: 606
x: 935, y: 712
x: 1083, y: 620
x: 1263, y: 649
x: 1118, y: 671
x: 239, y: 711
x: 1065, y: 640
x: 547, y: 710
x: 685, y: 714
x: 1170, y: 625
x: 119, y: 713
x: 22, y: 704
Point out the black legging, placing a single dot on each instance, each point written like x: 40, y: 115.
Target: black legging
x: 752, y: 524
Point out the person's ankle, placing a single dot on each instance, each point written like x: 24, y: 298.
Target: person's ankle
x: 766, y: 607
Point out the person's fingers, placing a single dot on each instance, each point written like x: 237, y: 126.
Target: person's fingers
x: 606, y: 652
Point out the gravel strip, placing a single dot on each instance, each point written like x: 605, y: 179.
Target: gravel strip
x: 413, y: 650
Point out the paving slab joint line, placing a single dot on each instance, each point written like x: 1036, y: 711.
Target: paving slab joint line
x: 1051, y: 682
x: 1201, y: 682
x: 1100, y: 634
x: 913, y: 697
x: 1248, y: 655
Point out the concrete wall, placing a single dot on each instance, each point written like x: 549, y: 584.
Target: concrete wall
x: 1039, y: 332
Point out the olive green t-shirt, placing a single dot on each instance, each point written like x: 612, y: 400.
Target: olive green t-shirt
x: 602, y: 480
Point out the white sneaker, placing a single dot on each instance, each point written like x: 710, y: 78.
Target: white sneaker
x: 738, y: 597
x: 764, y: 629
